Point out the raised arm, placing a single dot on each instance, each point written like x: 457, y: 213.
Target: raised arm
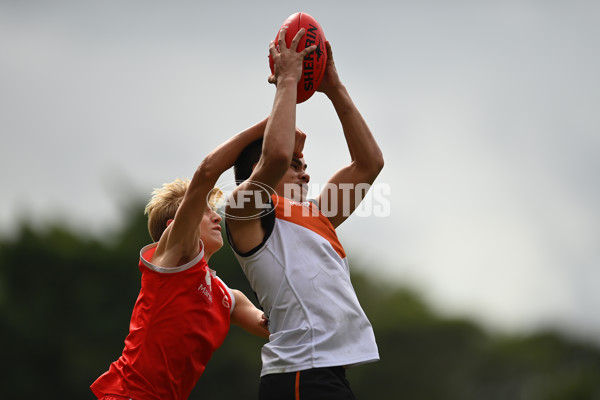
x: 179, y: 242
x: 280, y: 142
x: 344, y: 192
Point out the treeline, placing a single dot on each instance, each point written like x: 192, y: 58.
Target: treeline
x: 66, y: 299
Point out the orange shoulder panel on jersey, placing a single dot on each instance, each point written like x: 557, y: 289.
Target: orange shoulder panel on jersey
x: 308, y: 215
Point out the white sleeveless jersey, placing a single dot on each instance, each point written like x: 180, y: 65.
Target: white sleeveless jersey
x: 302, y: 280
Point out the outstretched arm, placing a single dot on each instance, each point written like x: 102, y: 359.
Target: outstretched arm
x: 344, y: 191
x: 179, y: 242
x: 280, y: 142
x: 247, y: 316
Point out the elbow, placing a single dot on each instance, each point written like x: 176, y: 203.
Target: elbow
x: 276, y: 160
x: 206, y: 171
x: 375, y: 164
x: 378, y: 162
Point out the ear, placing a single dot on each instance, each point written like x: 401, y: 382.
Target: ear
x: 169, y: 221
x: 254, y: 165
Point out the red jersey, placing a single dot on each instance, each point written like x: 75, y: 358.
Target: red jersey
x: 180, y: 318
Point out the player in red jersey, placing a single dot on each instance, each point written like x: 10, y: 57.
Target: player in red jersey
x: 183, y: 311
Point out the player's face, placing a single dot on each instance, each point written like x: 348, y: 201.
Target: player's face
x: 294, y: 184
x: 211, y: 232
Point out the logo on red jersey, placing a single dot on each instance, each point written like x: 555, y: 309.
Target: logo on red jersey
x: 225, y: 300
x: 206, y: 287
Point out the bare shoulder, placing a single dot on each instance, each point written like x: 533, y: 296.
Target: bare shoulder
x: 245, y: 235
x: 244, y: 210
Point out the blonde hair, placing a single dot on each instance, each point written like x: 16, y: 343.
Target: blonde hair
x: 166, y: 200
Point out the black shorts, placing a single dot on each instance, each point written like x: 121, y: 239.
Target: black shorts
x: 312, y: 384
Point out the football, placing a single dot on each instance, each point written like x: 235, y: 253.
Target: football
x: 313, y: 67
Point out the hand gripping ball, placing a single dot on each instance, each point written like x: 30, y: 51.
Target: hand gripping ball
x: 313, y: 67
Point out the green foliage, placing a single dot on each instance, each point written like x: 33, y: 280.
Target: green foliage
x: 66, y: 300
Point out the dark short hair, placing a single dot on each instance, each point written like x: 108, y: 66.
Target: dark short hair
x: 242, y: 168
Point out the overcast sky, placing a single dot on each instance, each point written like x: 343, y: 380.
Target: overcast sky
x: 488, y: 114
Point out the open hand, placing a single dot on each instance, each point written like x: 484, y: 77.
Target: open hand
x: 288, y: 61
x: 331, y: 78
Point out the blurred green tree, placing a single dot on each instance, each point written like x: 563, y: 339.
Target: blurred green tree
x: 66, y: 299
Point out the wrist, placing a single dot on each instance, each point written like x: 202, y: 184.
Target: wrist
x: 336, y: 92
x: 287, y: 81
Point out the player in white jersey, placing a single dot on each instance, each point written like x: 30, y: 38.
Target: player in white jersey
x: 289, y: 250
